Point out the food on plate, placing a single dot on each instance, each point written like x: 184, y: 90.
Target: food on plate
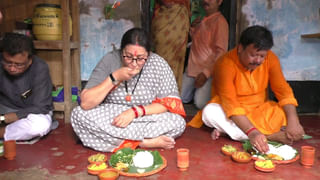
x: 284, y: 151
x: 274, y: 157
x: 228, y: 149
x: 267, y: 164
x: 135, y: 161
x: 109, y: 174
x: 264, y: 165
x: 143, y: 159
x: 97, y: 158
x: 97, y: 167
x: 122, y: 166
x: 280, y: 153
x: 240, y: 156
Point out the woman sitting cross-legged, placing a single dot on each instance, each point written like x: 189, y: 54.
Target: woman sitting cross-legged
x: 130, y: 100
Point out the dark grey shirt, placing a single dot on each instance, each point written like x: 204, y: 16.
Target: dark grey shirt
x: 35, y: 79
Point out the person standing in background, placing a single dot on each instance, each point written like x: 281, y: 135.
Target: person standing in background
x: 170, y: 28
x: 209, y: 42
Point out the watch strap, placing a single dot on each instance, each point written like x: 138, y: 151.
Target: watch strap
x: 112, y: 78
x: 114, y: 81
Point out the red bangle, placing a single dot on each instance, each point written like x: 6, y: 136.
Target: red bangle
x: 135, y: 112
x: 143, y: 110
x: 250, y: 130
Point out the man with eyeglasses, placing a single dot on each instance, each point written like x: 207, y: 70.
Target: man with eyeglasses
x: 25, y: 93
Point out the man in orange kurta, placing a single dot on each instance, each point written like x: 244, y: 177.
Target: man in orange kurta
x: 240, y: 105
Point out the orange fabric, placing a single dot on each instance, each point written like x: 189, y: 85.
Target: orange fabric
x: 209, y: 42
x: 173, y: 105
x: 241, y: 92
x: 128, y: 144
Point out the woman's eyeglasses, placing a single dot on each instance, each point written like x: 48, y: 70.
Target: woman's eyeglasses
x: 139, y: 60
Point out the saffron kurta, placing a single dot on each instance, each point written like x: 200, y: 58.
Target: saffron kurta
x: 243, y: 92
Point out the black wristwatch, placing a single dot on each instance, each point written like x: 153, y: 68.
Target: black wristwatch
x: 114, y: 81
x: 2, y: 118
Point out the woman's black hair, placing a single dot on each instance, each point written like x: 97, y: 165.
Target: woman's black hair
x: 136, y: 36
x: 260, y: 36
x: 13, y: 43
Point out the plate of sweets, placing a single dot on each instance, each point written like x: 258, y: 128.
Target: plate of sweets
x: 264, y: 165
x: 278, y: 153
x: 228, y: 149
x: 137, y: 163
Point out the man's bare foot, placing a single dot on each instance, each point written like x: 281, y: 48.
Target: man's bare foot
x: 215, y: 134
x: 279, y: 137
x: 158, y: 142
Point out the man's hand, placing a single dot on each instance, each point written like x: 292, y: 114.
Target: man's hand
x: 196, y: 22
x: 200, y: 80
x: 124, y: 119
x: 294, y: 131
x: 11, y: 117
x: 259, y: 141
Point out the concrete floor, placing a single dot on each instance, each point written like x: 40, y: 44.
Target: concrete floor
x: 60, y: 155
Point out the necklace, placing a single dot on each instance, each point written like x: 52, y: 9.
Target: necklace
x: 128, y: 96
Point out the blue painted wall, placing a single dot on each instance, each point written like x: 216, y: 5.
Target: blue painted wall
x: 288, y: 19
x: 97, y: 33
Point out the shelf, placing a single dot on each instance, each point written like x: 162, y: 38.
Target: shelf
x: 54, y: 45
x: 316, y: 35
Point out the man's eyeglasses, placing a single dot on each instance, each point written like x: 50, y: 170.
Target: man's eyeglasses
x: 16, y: 65
x: 139, y: 60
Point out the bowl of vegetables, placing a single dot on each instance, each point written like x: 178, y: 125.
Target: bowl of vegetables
x: 97, y: 158
x: 228, y: 149
x: 241, y: 157
x: 109, y: 174
x: 96, y: 169
x: 264, y: 165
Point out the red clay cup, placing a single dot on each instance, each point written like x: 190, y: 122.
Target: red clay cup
x: 183, y: 159
x: 307, y: 156
x: 10, y: 149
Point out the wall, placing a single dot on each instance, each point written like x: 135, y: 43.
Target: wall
x: 288, y: 19
x: 99, y: 34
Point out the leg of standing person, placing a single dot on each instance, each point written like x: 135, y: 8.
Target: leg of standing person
x: 187, y: 91
x: 203, y: 95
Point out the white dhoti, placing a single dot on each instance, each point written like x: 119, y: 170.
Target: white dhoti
x: 32, y: 126
x: 213, y: 116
